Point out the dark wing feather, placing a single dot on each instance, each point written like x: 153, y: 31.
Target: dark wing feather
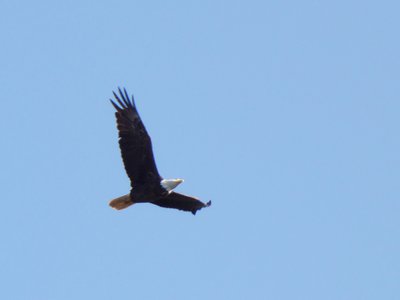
x: 181, y: 202
x: 134, y: 141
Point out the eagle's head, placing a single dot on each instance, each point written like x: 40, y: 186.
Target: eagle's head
x: 170, y: 184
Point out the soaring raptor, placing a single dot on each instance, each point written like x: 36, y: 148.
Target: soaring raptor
x: 137, y: 154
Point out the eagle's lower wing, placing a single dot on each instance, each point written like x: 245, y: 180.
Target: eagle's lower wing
x: 181, y: 202
x: 134, y: 141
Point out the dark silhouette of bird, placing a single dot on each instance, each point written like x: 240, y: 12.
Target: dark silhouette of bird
x: 147, y: 186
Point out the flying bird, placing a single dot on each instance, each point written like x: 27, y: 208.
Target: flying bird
x: 147, y: 186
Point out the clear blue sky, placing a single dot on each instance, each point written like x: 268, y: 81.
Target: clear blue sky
x: 284, y: 113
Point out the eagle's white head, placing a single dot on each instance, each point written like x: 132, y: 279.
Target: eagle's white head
x: 170, y: 184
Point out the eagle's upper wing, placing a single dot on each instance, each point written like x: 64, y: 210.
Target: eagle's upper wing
x: 182, y: 202
x: 134, y: 141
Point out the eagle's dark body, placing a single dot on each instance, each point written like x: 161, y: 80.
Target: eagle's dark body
x: 138, y: 158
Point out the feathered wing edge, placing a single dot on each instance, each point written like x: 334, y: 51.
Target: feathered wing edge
x: 124, y: 103
x: 134, y: 141
x: 181, y: 202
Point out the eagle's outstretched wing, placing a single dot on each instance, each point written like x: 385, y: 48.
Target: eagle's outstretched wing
x: 134, y: 141
x: 181, y: 202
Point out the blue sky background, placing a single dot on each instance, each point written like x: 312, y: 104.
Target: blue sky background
x: 284, y: 113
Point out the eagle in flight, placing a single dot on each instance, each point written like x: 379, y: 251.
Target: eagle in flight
x: 137, y: 154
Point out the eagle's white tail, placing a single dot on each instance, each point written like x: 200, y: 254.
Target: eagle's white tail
x: 121, y: 202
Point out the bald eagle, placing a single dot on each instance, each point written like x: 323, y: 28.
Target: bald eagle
x: 137, y: 154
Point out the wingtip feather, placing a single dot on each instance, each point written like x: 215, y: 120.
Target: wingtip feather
x: 131, y: 101
x: 205, y: 205
x: 115, y: 105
